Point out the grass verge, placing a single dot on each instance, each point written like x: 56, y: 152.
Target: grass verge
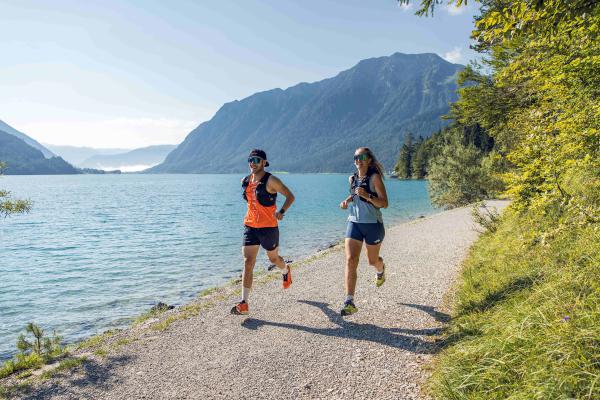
x: 526, y: 319
x: 65, y: 365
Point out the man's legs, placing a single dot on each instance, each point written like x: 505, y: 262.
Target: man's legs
x: 249, y: 253
x: 276, y: 259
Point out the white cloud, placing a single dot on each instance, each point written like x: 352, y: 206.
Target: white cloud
x: 122, y: 132
x: 453, y: 56
x: 453, y: 10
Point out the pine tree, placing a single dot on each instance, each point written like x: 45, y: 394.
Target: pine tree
x: 419, y: 159
x: 403, y: 168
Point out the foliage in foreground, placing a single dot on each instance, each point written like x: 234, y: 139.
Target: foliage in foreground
x: 9, y: 205
x: 528, y: 310
x: 35, y: 350
x: 527, y: 315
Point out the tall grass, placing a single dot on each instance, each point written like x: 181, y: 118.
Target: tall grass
x: 527, y: 315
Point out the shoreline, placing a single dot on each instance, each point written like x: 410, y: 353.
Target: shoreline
x: 261, y: 276
x: 258, y: 271
x: 134, y: 252
x: 149, y: 327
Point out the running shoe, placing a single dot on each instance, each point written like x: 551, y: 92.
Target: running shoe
x: 349, y: 308
x: 380, y: 277
x: 287, y: 278
x: 240, y: 308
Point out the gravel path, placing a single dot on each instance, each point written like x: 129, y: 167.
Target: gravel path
x: 294, y: 344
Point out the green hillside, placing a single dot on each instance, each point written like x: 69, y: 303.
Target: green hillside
x: 315, y: 127
x: 22, y: 159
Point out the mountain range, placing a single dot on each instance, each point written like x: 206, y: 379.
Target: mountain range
x: 126, y: 160
x: 23, y: 159
x: 4, y: 127
x: 315, y: 127
x: 24, y: 155
x: 134, y: 160
x: 309, y: 127
x: 77, y: 154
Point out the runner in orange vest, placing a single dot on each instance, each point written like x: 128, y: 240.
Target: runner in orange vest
x: 260, y: 189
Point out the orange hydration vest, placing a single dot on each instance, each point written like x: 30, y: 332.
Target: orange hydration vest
x: 258, y: 216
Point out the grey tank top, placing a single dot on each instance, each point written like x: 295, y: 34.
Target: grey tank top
x: 364, y: 212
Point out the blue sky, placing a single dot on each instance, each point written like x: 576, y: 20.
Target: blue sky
x: 135, y: 73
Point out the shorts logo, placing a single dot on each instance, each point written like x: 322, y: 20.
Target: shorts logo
x: 377, y: 241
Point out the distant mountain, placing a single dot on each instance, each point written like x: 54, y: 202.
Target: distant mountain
x: 76, y: 155
x: 4, y: 127
x: 23, y: 159
x: 134, y: 160
x: 315, y: 127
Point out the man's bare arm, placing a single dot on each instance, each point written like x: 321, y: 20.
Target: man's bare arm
x: 275, y: 185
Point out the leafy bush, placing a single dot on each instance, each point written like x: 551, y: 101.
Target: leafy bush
x: 11, y: 206
x: 459, y: 175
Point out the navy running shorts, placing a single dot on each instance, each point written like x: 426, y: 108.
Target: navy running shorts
x: 268, y: 238
x: 370, y: 233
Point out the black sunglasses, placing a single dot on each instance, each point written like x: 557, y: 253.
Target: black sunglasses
x: 254, y: 160
x: 362, y: 157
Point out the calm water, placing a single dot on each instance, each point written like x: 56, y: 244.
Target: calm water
x: 98, y: 250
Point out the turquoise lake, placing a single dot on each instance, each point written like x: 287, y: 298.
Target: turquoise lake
x: 98, y: 250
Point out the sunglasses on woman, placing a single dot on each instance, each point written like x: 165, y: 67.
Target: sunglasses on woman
x: 254, y: 160
x: 361, y: 157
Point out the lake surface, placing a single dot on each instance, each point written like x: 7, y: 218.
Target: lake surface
x: 98, y: 250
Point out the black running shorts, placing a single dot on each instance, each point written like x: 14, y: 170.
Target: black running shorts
x: 268, y: 238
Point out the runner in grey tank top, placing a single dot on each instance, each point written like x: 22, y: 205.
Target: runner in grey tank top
x: 363, y: 212
x: 365, y: 222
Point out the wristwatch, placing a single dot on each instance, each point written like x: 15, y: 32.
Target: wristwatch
x: 281, y: 211
x: 370, y: 196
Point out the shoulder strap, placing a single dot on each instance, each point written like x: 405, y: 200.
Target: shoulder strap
x: 353, y: 180
x: 246, y: 181
x: 265, y: 178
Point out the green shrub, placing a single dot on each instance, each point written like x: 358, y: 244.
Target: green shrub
x: 42, y: 346
x: 21, y: 362
x: 460, y: 174
x: 487, y: 218
x: 33, y: 352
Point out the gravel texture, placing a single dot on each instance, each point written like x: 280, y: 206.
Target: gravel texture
x: 294, y: 344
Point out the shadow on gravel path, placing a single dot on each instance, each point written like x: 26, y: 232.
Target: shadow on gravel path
x: 438, y: 316
x: 91, y: 373
x: 392, y: 337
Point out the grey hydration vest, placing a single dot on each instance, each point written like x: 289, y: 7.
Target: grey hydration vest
x: 361, y: 211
